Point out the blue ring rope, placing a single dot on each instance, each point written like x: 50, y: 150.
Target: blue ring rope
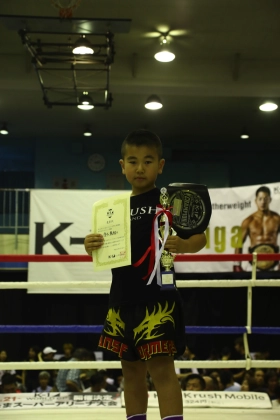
x: 97, y: 329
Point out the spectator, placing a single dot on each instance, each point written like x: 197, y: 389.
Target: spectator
x: 68, y: 380
x: 211, y: 383
x: 193, y: 382
x: 44, y: 379
x: 68, y: 349
x: 86, y: 374
x: 98, y: 383
x: 4, y: 358
x: 276, y: 402
x: 216, y: 376
x: 271, y: 383
x: 258, y: 375
x: 47, y: 355
x: 30, y: 377
x: 228, y: 381
x: 240, y: 350
x: 248, y: 384
x: 9, y: 384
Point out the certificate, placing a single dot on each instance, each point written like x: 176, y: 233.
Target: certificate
x: 111, y: 218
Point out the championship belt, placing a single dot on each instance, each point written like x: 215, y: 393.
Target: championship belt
x: 265, y: 249
x: 190, y: 207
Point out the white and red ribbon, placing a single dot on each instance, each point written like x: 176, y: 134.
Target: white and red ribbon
x: 154, y: 250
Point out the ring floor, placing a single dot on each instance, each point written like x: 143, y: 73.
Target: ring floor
x: 153, y: 414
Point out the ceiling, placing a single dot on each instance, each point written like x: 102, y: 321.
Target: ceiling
x: 227, y: 63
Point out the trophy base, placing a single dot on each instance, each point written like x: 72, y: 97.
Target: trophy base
x: 168, y: 281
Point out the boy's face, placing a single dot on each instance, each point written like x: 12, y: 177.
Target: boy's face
x: 141, y: 166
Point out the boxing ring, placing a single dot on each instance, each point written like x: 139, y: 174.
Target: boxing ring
x: 153, y: 413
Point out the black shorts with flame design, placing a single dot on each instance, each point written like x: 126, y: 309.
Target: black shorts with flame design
x: 142, y: 331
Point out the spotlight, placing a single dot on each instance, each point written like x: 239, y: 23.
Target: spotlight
x: 153, y: 102
x: 268, y: 106
x: 244, y: 134
x: 164, y: 55
x: 82, y: 46
x: 4, y: 129
x: 85, y: 102
x: 87, y: 132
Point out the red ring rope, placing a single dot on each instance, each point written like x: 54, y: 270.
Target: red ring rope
x: 178, y: 258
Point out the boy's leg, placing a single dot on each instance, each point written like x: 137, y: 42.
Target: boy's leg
x: 135, y: 388
x: 162, y: 371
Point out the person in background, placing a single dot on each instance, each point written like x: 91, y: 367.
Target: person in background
x: 68, y: 380
x: 4, y: 358
x: 227, y: 381
x: 68, y: 349
x: 30, y: 377
x: 44, y: 379
x: 193, y: 382
x: 9, y: 384
x: 97, y: 383
x: 271, y: 383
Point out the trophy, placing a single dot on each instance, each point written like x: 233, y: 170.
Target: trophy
x: 191, y: 211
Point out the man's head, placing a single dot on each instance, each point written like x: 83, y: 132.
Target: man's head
x: 141, y: 160
x: 263, y: 198
x: 68, y: 349
x: 9, y: 384
x: 239, y: 345
x: 82, y: 354
x: 193, y: 382
x: 48, y: 353
x: 259, y: 377
x: 44, y: 378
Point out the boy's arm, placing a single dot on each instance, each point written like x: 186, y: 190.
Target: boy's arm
x: 178, y: 245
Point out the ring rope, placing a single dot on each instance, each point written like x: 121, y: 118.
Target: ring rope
x: 248, y: 363
x: 97, y: 329
x: 180, y: 283
x: 213, y: 364
x: 178, y: 258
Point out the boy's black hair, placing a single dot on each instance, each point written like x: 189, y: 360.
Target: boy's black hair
x: 142, y: 138
x: 264, y: 190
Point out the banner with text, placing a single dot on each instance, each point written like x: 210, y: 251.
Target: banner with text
x: 244, y: 219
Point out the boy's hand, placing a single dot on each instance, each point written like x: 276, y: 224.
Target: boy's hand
x: 175, y: 244
x: 92, y: 242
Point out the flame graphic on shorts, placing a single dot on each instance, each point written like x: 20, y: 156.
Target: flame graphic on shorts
x: 115, y: 323
x: 153, y: 321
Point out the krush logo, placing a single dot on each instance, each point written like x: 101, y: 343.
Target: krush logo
x: 110, y: 213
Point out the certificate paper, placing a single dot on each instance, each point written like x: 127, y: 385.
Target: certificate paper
x: 111, y: 218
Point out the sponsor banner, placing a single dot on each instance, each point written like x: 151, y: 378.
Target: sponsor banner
x: 60, y: 220
x: 59, y: 400
x: 219, y: 399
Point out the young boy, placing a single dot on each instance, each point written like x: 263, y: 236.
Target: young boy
x: 144, y: 325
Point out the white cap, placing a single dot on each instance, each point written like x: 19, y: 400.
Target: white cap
x: 48, y: 350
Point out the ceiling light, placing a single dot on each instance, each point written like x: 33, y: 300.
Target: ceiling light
x: 244, y: 134
x: 153, y: 102
x: 87, y: 132
x: 268, y: 106
x: 85, y: 102
x: 82, y: 46
x: 164, y: 55
x: 4, y: 129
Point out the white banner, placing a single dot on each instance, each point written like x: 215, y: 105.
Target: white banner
x: 59, y: 400
x: 60, y: 219
x: 220, y: 399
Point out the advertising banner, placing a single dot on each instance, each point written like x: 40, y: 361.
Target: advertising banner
x: 244, y: 220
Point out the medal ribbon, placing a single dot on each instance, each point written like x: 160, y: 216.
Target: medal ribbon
x: 154, y: 249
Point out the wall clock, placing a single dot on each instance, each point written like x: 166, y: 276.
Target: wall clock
x: 96, y: 162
